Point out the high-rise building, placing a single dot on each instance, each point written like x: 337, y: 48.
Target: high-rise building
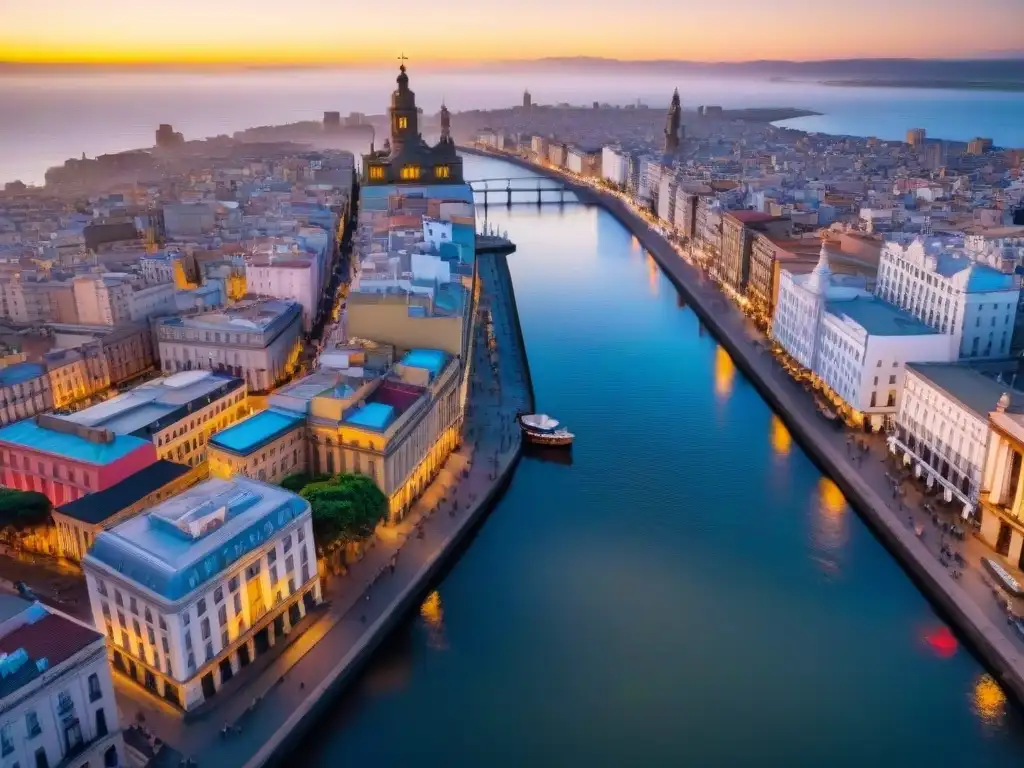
x: 332, y: 121
x: 166, y: 137
x: 979, y: 146
x: 527, y: 100
x: 916, y: 137
x: 672, y: 123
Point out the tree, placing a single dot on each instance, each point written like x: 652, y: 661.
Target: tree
x: 345, y: 507
x: 23, y: 509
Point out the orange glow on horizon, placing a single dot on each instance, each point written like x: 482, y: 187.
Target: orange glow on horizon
x: 250, y: 32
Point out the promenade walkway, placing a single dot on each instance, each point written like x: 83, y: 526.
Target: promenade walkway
x: 366, y: 603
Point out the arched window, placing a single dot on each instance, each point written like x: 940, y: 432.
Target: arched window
x: 410, y: 172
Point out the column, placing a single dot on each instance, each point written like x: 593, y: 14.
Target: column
x: 997, y: 490
x: 991, y: 459
x: 1018, y: 493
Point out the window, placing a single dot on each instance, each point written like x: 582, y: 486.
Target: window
x: 201, y: 606
x: 42, y: 762
x: 118, y: 598
x: 101, y: 723
x: 32, y: 724
x: 6, y: 740
x: 410, y: 173
x: 892, y: 379
x: 106, y: 610
x: 403, y: 123
x: 151, y: 635
x: 186, y: 618
x: 222, y: 615
x: 149, y: 615
x: 191, y: 662
x: 287, y: 544
x: 165, y: 644
x: 121, y: 621
x: 302, y: 534
x: 133, y: 606
x: 95, y: 692
x: 442, y: 172
x: 101, y: 587
x: 209, y: 651
x: 377, y: 172
x: 238, y: 604
x: 204, y: 628
x: 273, y: 574
x: 272, y: 556
x: 135, y: 626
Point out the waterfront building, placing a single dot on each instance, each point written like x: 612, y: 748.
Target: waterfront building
x: 57, y: 703
x: 973, y: 303
x: 583, y: 162
x: 942, y: 429
x: 78, y: 522
x: 539, y: 147
x: 738, y: 230
x: 768, y: 259
x: 201, y: 585
x: 614, y: 166
x: 1002, y: 485
x: 410, y: 160
x: 855, y: 344
x: 557, y: 154
x: 667, y: 190
x: 268, y: 446
x: 685, y: 214
x: 176, y: 413
x: 65, y: 461
x: 257, y: 340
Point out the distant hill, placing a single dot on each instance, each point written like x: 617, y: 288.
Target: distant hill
x: 1008, y: 70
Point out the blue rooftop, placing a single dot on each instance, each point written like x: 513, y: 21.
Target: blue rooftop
x: 982, y: 277
x: 30, y: 435
x: 259, y: 429
x: 431, y: 359
x: 20, y: 372
x: 372, y: 415
x: 879, y: 318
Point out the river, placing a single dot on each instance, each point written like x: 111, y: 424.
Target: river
x: 689, y: 591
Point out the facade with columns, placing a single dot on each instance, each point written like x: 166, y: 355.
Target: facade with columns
x: 1002, y: 519
x: 201, y: 585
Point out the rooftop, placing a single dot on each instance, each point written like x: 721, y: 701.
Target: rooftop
x: 259, y: 429
x: 94, y: 508
x: 982, y: 276
x: 878, y: 318
x: 248, y: 315
x: 969, y: 386
x: 28, y: 434
x: 51, y: 637
x: 432, y: 359
x: 155, y: 405
x: 372, y: 415
x: 185, y: 541
x: 20, y: 372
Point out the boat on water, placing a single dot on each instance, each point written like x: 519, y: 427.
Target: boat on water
x: 541, y: 429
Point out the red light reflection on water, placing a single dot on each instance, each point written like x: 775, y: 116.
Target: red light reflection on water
x: 942, y: 642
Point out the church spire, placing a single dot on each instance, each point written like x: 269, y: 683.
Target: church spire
x: 672, y: 123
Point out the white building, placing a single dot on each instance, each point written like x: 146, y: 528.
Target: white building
x: 1000, y: 247
x: 649, y: 178
x: 615, y: 166
x: 202, y: 584
x: 855, y: 343
x: 667, y: 188
x: 436, y: 232
x: 973, y: 303
x: 157, y: 268
x: 57, y: 704
x: 943, y: 427
x: 112, y: 299
x: 287, y: 276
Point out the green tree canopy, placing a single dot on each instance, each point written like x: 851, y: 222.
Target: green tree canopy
x: 22, y: 509
x: 345, y: 507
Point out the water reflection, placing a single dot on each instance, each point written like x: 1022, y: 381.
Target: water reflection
x: 989, y: 700
x: 725, y: 373
x: 830, y: 525
x: 432, y: 613
x: 548, y: 454
x: 653, y: 276
x: 782, y: 441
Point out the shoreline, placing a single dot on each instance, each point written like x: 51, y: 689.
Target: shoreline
x: 280, y: 744
x: 995, y: 649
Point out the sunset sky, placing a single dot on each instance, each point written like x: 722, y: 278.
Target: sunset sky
x: 359, y: 31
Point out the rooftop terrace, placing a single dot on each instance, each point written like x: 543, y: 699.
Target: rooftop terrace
x: 186, y: 541
x: 257, y: 430
x: 28, y: 434
x: 878, y: 318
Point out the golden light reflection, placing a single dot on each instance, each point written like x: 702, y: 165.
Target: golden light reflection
x: 989, y: 699
x: 782, y: 441
x: 829, y: 527
x: 725, y: 373
x: 653, y: 275
x: 432, y: 613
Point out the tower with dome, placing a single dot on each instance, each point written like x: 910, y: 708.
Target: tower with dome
x: 406, y: 157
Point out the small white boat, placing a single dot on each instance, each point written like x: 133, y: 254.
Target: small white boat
x: 541, y: 429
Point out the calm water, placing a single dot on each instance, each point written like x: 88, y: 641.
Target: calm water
x: 44, y: 119
x: 690, y: 591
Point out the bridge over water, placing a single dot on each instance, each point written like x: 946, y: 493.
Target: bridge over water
x: 521, y: 190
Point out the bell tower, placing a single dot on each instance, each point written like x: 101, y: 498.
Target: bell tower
x: 404, y: 127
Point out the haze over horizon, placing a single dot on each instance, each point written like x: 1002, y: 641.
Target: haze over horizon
x: 241, y: 32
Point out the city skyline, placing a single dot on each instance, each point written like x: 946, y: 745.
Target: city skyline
x: 236, y: 32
